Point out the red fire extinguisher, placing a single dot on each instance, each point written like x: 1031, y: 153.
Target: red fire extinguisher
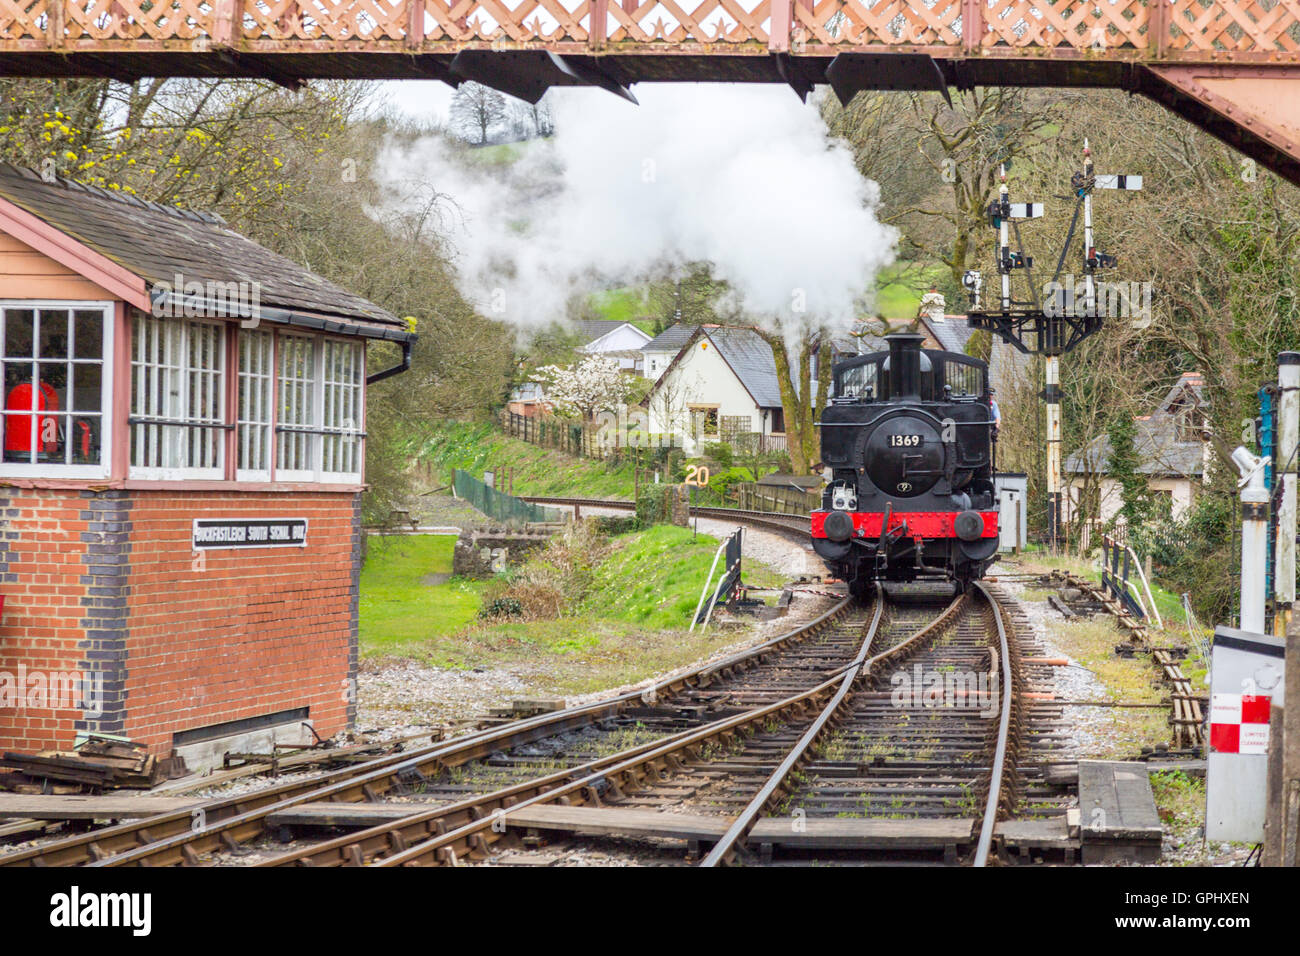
x: 23, y: 398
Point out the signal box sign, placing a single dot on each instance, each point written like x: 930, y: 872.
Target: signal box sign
x: 213, y: 533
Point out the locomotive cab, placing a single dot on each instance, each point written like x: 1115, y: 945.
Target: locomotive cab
x: 908, y: 440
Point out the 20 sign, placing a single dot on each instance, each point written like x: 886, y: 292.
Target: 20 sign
x: 697, y: 475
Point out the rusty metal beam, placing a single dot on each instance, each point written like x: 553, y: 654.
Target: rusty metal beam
x: 1253, y: 109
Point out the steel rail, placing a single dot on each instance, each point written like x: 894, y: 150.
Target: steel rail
x: 442, y: 847
x: 724, y: 850
x: 993, y: 799
x: 222, y: 820
x: 359, y: 847
x: 432, y: 850
x: 209, y: 819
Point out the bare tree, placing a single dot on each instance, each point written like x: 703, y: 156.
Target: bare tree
x: 476, y: 109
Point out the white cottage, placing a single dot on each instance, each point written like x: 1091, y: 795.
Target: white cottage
x: 659, y: 352
x: 720, y: 384
x: 1172, y: 453
x: 618, y: 340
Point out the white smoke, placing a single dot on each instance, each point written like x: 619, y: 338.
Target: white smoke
x: 746, y: 178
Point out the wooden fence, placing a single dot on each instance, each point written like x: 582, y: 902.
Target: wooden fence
x: 572, y: 438
x: 750, y: 496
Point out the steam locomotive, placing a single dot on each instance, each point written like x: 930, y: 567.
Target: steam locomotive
x: 908, y: 441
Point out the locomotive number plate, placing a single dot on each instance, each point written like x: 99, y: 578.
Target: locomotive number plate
x: 904, y: 441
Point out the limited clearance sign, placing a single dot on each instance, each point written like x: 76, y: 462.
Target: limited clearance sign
x: 1239, y: 723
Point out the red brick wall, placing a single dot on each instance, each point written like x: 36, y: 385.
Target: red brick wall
x: 41, y: 550
x: 108, y: 582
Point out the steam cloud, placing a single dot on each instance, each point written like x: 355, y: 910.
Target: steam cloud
x: 744, y: 177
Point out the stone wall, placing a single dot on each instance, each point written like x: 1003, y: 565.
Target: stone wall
x: 481, y: 554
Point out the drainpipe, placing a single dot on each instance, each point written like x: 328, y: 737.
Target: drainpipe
x: 396, y: 369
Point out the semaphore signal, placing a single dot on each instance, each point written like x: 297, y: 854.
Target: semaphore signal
x: 1058, y: 323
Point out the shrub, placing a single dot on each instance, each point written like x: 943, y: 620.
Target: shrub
x: 502, y: 607
x: 720, y: 452
x: 652, y: 504
x: 554, y: 580
x: 1193, y: 554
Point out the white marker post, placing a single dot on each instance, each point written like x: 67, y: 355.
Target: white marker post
x: 1288, y: 436
x: 1254, y: 538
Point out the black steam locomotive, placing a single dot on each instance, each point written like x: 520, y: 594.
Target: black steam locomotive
x: 908, y: 440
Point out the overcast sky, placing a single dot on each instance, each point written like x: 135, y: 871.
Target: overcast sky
x: 421, y: 100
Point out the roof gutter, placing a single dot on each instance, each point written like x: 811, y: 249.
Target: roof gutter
x: 177, y: 303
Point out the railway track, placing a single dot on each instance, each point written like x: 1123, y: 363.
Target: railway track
x: 695, y: 696
x: 771, y: 766
x: 799, y: 711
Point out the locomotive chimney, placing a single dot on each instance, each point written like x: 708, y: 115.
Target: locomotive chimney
x: 905, y: 364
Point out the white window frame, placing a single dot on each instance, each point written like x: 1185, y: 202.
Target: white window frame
x: 52, y: 470
x: 311, y: 433
x: 137, y: 431
x: 245, y: 381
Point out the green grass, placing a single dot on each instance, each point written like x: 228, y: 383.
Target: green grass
x: 537, y: 470
x: 623, y: 305
x: 654, y: 577
x: 631, y: 625
x: 1180, y: 799
x: 899, y: 289
x: 396, y: 608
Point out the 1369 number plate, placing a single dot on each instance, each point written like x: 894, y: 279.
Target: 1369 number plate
x: 904, y: 441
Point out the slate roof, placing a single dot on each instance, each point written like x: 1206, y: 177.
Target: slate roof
x: 1159, y: 451
x: 750, y: 357
x: 593, y: 329
x: 671, y: 339
x: 952, y: 333
x: 157, y: 242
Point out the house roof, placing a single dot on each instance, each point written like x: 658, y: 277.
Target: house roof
x: 952, y: 333
x: 671, y: 339
x: 750, y: 357
x: 746, y: 353
x: 158, y: 243
x: 1155, y: 438
x: 593, y: 330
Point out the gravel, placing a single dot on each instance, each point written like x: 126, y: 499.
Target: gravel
x: 399, y: 697
x: 1089, y: 727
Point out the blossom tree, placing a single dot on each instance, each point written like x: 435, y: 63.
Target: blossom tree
x: 592, y: 385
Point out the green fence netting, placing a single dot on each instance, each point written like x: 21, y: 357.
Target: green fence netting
x: 504, y: 508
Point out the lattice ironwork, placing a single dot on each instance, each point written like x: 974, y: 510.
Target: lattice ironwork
x: 1166, y: 27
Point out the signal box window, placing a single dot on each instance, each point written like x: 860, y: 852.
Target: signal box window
x: 56, y: 388
x: 177, y: 399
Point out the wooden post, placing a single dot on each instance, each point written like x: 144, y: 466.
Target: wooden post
x: 1282, y: 827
